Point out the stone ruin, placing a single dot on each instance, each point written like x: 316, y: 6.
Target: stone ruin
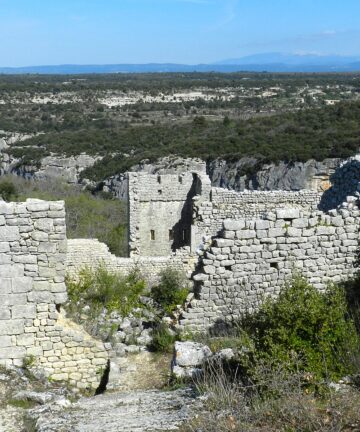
x: 236, y: 247
x: 32, y: 290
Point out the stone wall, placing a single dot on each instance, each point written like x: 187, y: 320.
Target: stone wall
x: 91, y: 253
x: 32, y: 289
x: 209, y: 214
x: 253, y: 258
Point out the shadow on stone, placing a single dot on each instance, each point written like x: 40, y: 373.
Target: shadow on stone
x: 345, y: 182
x: 104, y: 380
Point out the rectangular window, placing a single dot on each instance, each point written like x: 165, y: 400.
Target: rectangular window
x: 171, y: 235
x: 152, y: 234
x: 184, y: 235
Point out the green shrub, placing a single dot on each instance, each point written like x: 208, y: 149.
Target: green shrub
x: 7, y: 190
x: 103, y: 289
x: 163, y: 339
x: 305, y: 329
x: 171, y: 291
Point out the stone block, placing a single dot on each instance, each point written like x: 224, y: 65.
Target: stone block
x: 4, y: 246
x: 233, y: 225
x: 46, y: 225
x: 12, y: 352
x: 276, y: 232
x: 5, y: 286
x: 24, y: 311
x: 293, y: 232
x: 21, y: 284
x: 26, y: 339
x: 246, y: 234
x: 13, y: 299
x: 220, y: 243
x: 5, y: 341
x: 13, y: 327
x: 9, y: 233
x: 11, y: 270
x: 262, y: 224
x: 5, y: 312
x: 288, y: 213
x: 33, y: 205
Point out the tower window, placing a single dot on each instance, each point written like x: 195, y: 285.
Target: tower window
x: 171, y: 235
x: 152, y: 234
x: 159, y: 179
x: 160, y: 192
x: 184, y: 235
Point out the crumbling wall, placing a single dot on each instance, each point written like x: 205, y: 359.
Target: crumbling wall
x: 32, y: 289
x: 91, y: 253
x: 252, y: 258
x: 209, y: 214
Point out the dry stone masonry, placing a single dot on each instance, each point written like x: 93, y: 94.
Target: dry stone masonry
x: 32, y: 289
x: 236, y: 247
x: 253, y: 258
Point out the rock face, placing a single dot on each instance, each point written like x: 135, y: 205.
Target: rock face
x: 246, y: 174
x: 58, y: 167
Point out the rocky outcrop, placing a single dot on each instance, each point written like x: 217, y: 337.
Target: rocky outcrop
x: 247, y: 173
x: 64, y: 168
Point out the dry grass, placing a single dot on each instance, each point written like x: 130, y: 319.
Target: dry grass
x: 280, y: 402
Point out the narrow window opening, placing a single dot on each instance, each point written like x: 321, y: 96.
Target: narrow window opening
x: 159, y: 179
x: 58, y: 308
x: 152, y: 234
x: 180, y: 179
x: 171, y: 235
x: 184, y: 235
x: 160, y: 191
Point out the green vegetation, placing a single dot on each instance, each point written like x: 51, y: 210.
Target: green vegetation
x: 268, y: 116
x: 8, y: 191
x: 87, y: 215
x: 101, y: 288
x: 305, y: 330
x: 163, y: 339
x: 171, y: 291
x: 287, y: 354
x: 318, y: 133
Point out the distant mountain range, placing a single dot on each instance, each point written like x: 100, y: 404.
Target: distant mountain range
x: 267, y: 62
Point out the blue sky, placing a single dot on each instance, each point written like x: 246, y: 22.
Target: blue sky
x: 38, y: 32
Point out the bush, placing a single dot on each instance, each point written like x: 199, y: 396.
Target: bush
x: 7, y: 190
x: 163, y: 339
x: 103, y: 289
x: 304, y: 329
x: 171, y: 290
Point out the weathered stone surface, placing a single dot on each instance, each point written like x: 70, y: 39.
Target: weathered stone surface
x: 190, y: 354
x: 142, y: 411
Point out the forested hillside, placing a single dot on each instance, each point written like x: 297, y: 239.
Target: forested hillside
x: 315, y: 133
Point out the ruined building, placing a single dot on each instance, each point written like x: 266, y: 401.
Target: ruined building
x: 236, y: 247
